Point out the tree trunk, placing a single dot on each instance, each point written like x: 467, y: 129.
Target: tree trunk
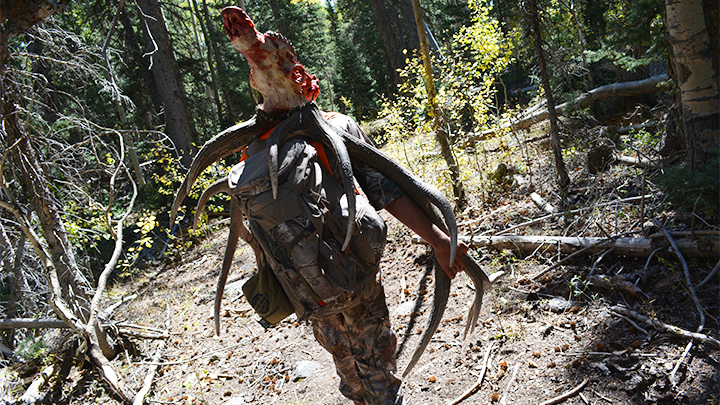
x: 211, y: 67
x: 16, y: 281
x: 277, y: 18
x: 442, y: 137
x: 133, y: 48
x: 408, y: 16
x: 697, y: 75
x: 166, y: 74
x: 230, y: 118
x: 533, y: 21
x: 390, y: 35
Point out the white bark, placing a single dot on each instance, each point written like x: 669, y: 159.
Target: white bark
x: 696, y: 77
x: 708, y: 246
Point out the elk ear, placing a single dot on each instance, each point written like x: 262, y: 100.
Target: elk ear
x: 310, y: 88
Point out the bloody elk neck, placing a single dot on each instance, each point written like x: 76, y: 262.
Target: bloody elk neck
x: 275, y: 71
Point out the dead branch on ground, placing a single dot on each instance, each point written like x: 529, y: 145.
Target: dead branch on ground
x: 32, y: 394
x: 478, y: 383
x: 32, y: 323
x: 566, y: 395
x: 665, y: 327
x: 503, y: 401
x: 147, y: 384
x: 694, y: 296
x: 686, y: 270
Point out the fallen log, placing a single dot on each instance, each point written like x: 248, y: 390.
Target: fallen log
x: 659, y: 325
x: 33, y: 394
x: 32, y: 323
x: 626, y: 89
x: 542, y: 203
x: 639, y: 162
x: 706, y: 246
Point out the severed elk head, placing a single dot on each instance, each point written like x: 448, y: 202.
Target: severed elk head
x: 275, y: 71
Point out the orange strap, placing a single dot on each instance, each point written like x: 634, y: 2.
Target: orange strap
x: 317, y: 145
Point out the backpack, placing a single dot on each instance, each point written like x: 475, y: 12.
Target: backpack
x: 301, y: 232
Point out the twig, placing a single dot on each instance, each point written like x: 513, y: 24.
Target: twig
x: 603, y: 397
x: 584, y: 354
x: 478, y: 383
x: 647, y: 263
x: 633, y: 324
x: 163, y: 332
x: 503, y: 401
x: 673, y: 379
x: 145, y: 17
x: 599, y: 259
x: 666, y: 327
x: 571, y: 255
x: 105, y: 313
x: 704, y: 232
x: 710, y: 276
x: 575, y: 211
x: 694, y: 296
x: 566, y: 395
x: 140, y: 396
x: 142, y: 335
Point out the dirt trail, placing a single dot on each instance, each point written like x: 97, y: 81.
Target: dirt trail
x: 553, y: 343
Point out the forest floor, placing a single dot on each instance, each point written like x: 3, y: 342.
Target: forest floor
x: 539, y: 337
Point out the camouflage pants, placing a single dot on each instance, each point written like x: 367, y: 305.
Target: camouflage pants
x: 363, y: 347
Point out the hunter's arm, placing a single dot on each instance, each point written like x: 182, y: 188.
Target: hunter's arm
x: 411, y: 215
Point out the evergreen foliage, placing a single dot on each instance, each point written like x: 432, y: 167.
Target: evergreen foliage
x: 694, y: 190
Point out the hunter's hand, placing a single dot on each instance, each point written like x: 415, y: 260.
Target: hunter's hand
x: 442, y: 253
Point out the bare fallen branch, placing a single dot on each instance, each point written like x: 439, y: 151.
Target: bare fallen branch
x: 639, y: 162
x: 566, y: 395
x: 503, y: 401
x: 635, y: 325
x: 665, y: 327
x: 32, y: 323
x: 686, y: 270
x: 542, y: 203
x: 478, y: 383
x: 32, y: 394
x: 105, y: 313
x: 693, y: 294
x: 140, y: 396
x: 673, y: 374
x: 141, y: 335
x: 628, y: 246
